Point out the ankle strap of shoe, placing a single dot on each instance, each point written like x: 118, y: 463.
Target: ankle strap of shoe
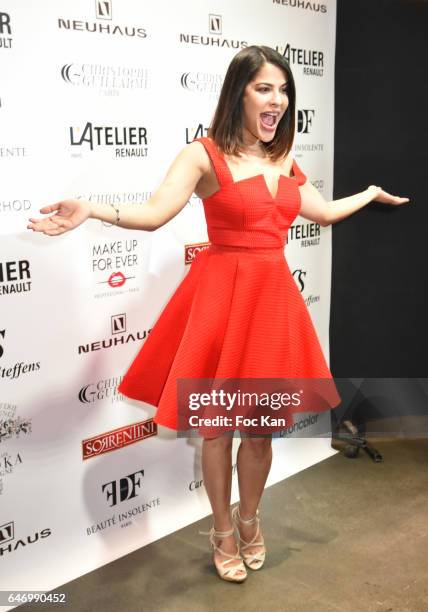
x: 249, y: 521
x: 218, y: 534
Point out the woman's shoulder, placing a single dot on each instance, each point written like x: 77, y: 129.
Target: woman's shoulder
x: 197, y: 150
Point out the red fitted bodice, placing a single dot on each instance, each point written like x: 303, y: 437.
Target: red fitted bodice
x: 244, y: 213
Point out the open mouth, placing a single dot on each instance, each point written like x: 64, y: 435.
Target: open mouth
x: 269, y: 120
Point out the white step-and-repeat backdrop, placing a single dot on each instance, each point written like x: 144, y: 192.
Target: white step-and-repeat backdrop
x: 96, y: 100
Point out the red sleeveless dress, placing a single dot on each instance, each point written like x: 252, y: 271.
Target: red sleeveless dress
x: 238, y: 312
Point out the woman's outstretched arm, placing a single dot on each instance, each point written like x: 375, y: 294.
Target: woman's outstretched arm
x: 167, y: 201
x: 316, y: 208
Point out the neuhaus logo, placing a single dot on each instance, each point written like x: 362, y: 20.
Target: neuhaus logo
x: 103, y: 76
x: 315, y: 7
x: 5, y: 31
x: 312, y: 61
x: 214, y: 24
x: 121, y: 336
x: 118, y: 324
x: 118, y: 438
x: 104, y: 9
x: 214, y: 39
x: 104, y: 15
x: 123, y: 489
x: 15, y: 277
x: 7, y: 532
x: 191, y: 250
x: 125, y: 141
x: 7, y: 537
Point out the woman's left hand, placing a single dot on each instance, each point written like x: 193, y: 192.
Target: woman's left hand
x: 379, y: 195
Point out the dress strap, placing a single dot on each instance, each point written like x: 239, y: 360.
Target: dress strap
x: 217, y: 159
x: 298, y: 174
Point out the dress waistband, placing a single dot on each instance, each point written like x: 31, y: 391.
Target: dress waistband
x: 252, y: 249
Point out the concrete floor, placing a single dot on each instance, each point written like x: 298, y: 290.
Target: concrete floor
x: 343, y: 535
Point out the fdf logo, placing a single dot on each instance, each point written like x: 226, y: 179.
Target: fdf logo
x: 304, y: 120
x: 123, y: 489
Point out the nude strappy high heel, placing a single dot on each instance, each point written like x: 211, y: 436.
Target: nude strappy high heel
x: 253, y: 560
x: 236, y: 573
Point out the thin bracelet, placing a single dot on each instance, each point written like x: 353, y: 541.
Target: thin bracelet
x: 117, y: 217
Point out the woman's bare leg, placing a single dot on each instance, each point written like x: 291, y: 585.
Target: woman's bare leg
x: 217, y: 474
x: 253, y: 464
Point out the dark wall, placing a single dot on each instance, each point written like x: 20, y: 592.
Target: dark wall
x: 379, y: 313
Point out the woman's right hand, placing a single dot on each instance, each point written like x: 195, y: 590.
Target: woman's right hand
x: 68, y: 215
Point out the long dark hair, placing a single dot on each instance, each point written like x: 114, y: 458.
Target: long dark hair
x: 226, y: 126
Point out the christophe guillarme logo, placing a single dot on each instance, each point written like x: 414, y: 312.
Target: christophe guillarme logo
x: 311, y: 61
x: 105, y: 389
x: 123, y: 489
x: 5, y: 31
x: 105, y: 78
x: 105, y: 25
x: 15, y: 371
x: 9, y: 544
x: 119, y: 336
x: 214, y: 37
x: 314, y: 7
x: 123, y: 141
x: 205, y: 83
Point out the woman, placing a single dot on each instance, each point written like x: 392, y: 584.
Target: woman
x: 235, y: 313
